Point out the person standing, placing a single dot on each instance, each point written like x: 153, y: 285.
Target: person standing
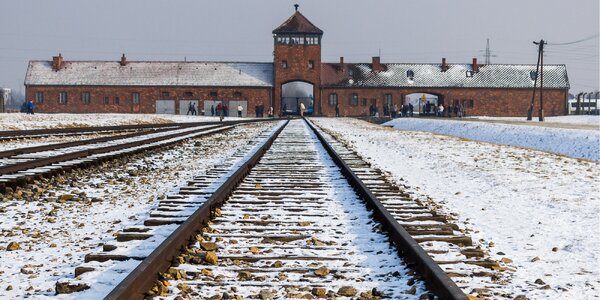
x: 410, y: 109
x: 441, y: 110
x: 461, y: 110
x: 212, y: 110
x: 30, y: 107
x: 270, y: 111
x: 394, y: 111
x: 302, y: 109
x: 190, y: 108
x: 219, y: 109
x: 240, y: 109
x: 337, y: 110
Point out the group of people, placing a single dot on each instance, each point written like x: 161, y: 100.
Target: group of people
x: 221, y: 110
x: 260, y: 111
x: 27, y: 107
x: 405, y: 110
x: 440, y: 111
x: 192, y: 109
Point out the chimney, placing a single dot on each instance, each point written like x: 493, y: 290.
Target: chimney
x: 57, y: 62
x: 444, y: 65
x: 342, y: 63
x: 475, y: 65
x: 123, y: 61
x: 376, y: 64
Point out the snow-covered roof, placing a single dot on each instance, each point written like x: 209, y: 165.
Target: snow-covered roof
x: 151, y: 73
x: 431, y: 75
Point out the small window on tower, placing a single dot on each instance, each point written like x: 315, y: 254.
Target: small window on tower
x: 311, y: 64
x: 284, y: 64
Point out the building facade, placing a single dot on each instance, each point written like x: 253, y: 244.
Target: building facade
x: 296, y: 75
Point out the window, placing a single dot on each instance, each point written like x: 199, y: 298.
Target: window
x: 165, y: 95
x: 387, y: 100
x: 116, y: 100
x: 85, y: 98
x: 410, y: 74
x: 354, y: 99
x: 135, y: 97
x: 333, y: 99
x: 213, y: 95
x: 364, y: 102
x: 39, y: 97
x: 468, y: 103
x: 237, y: 95
x: 469, y: 74
x: 106, y: 100
x: 284, y: 64
x: 62, y: 98
x: 311, y: 64
x: 188, y: 94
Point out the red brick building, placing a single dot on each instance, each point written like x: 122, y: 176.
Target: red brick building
x: 295, y: 76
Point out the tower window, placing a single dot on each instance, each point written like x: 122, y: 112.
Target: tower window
x: 284, y: 64
x: 311, y: 64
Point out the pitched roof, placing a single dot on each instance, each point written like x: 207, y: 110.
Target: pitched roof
x: 297, y: 23
x: 431, y: 75
x: 155, y: 73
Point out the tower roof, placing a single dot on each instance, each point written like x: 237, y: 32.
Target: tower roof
x: 297, y: 23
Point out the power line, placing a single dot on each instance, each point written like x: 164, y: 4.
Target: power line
x: 575, y: 42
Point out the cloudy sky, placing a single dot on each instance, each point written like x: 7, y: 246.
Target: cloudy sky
x: 404, y: 31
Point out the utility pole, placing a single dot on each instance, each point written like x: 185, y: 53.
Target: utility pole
x: 487, y: 52
x: 537, y: 73
x: 541, y: 44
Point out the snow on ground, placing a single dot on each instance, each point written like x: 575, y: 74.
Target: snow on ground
x: 540, y: 210
x: 55, y: 234
x: 18, y: 121
x: 578, y: 143
x: 570, y: 119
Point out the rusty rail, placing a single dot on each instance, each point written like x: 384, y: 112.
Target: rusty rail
x: 14, y: 134
x: 143, y: 277
x: 437, y: 280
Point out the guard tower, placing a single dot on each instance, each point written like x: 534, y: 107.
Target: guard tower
x: 297, y: 65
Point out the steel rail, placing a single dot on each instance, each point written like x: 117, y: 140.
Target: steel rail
x: 55, y: 146
x: 415, y: 256
x: 143, y: 277
x: 40, y: 162
x: 14, y: 134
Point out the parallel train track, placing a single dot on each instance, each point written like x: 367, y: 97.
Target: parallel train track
x: 287, y: 222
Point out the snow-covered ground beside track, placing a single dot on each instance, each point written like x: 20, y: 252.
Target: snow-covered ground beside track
x: 538, y: 209
x: 570, y: 119
x: 578, y: 143
x: 19, y: 121
x: 54, y: 234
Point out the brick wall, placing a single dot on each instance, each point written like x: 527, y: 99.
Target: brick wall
x: 297, y: 57
x: 148, y: 97
x: 488, y: 102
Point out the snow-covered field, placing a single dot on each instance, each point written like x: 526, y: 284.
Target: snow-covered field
x: 538, y: 209
x: 578, y: 143
x: 18, y: 121
x: 571, y: 119
x: 54, y: 234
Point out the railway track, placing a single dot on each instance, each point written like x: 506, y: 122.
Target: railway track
x: 287, y: 221
x: 75, y: 131
x: 23, y: 165
x: 452, y: 249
